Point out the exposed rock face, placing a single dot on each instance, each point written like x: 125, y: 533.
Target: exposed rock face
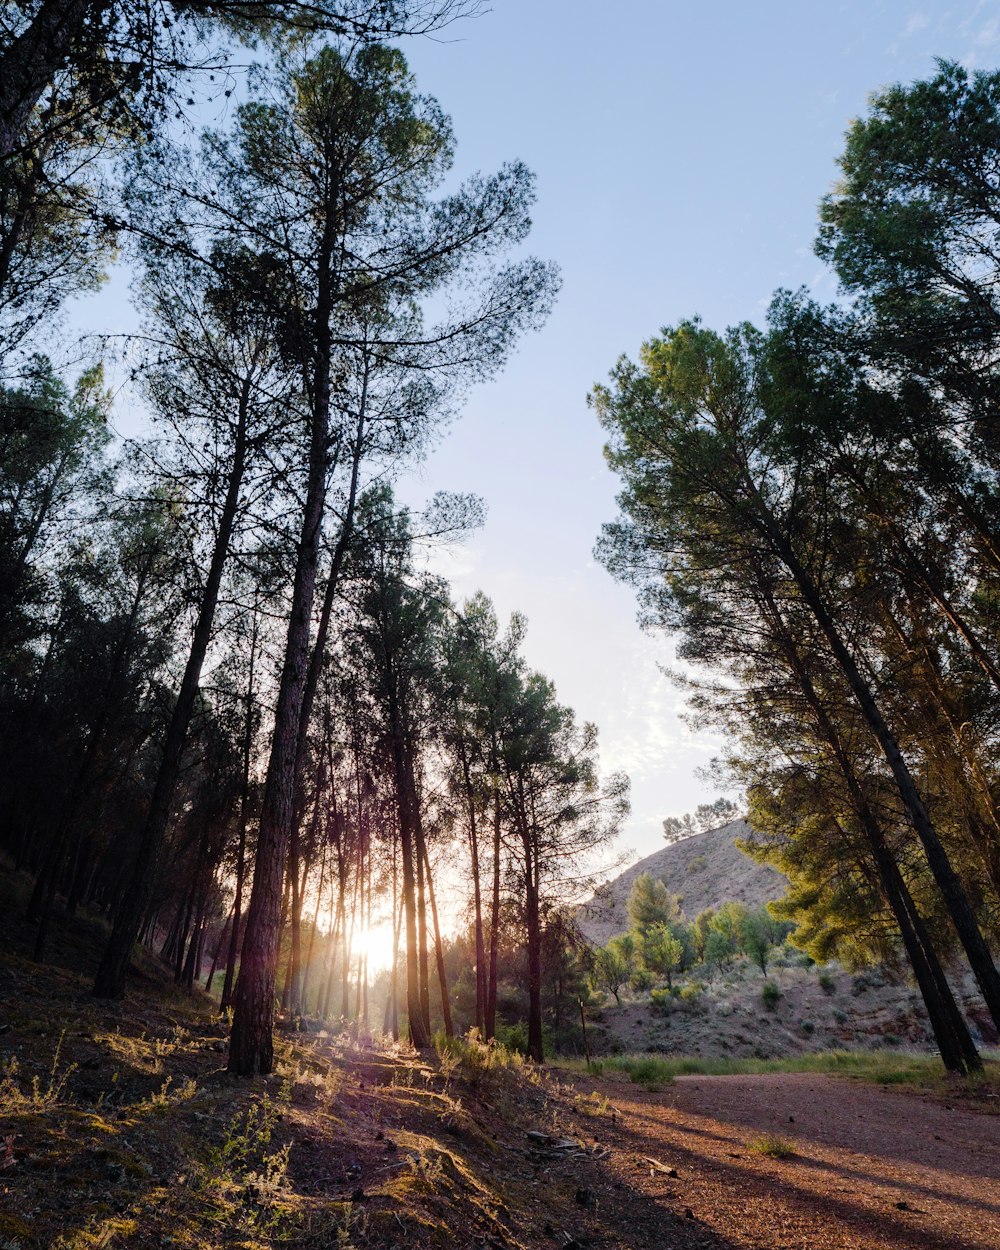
x: 705, y: 869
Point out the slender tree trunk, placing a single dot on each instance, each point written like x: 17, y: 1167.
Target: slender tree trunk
x: 419, y: 855
x: 533, y: 934
x: 345, y: 968
x: 219, y: 947
x: 251, y: 1047
x: 449, y: 1028
x: 241, y: 852
x: 477, y: 898
x: 110, y: 980
x: 491, y: 989
x: 307, y: 965
x: 414, y: 1012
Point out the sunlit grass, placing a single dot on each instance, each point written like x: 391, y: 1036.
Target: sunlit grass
x: 882, y: 1067
x: 773, y: 1146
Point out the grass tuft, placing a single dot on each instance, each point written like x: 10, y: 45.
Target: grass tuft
x: 773, y: 1146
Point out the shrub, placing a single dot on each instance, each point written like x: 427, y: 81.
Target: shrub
x: 770, y: 995
x: 662, y: 1001
x: 514, y: 1037
x: 773, y: 1146
x: 827, y: 983
x: 692, y: 993
x: 642, y: 980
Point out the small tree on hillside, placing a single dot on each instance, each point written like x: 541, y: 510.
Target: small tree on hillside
x: 759, y: 934
x: 662, y: 952
x: 614, y: 966
x: 651, y: 903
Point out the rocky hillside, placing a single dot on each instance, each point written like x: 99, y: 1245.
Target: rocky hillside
x: 705, y: 869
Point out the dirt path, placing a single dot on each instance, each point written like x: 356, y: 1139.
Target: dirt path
x: 872, y: 1168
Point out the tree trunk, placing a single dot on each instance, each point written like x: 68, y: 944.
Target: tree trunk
x: 491, y: 989
x: 449, y: 1029
x: 110, y: 980
x: 533, y: 934
x: 251, y: 1048
x: 477, y: 899
x: 241, y: 853
x: 414, y: 1012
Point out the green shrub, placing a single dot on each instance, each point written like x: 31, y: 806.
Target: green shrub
x: 770, y: 995
x: 514, y: 1037
x: 773, y: 1146
x: 691, y: 993
x: 642, y: 980
x: 827, y: 983
x: 662, y: 1001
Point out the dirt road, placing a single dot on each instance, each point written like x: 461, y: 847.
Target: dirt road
x: 872, y: 1169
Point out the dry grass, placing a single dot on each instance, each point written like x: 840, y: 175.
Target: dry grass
x: 773, y: 1146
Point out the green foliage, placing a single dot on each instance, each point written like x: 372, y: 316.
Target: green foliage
x: 650, y: 903
x: 773, y: 1146
x: 700, y: 931
x: 759, y: 934
x: 614, y: 965
x: 882, y: 1067
x: 706, y: 816
x: 770, y: 995
x: 662, y: 952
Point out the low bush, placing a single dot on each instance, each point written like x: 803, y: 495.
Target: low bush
x: 773, y: 1146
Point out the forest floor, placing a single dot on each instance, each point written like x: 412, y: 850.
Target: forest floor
x: 119, y: 1127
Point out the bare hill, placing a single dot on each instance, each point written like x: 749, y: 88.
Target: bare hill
x: 706, y: 869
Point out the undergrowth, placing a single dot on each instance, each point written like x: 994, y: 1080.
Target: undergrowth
x: 773, y: 1146
x: 883, y: 1067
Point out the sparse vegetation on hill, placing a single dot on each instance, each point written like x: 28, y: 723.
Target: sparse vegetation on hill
x: 703, y: 870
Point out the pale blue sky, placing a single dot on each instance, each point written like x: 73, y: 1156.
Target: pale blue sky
x: 681, y: 151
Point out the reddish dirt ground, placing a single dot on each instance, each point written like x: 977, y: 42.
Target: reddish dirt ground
x: 872, y: 1168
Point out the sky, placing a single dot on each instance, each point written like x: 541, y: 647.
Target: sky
x: 681, y: 151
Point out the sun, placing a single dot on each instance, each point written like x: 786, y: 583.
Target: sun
x: 375, y: 942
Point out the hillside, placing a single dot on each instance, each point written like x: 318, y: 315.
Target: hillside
x: 706, y: 869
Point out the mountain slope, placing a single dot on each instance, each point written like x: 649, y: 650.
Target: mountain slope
x: 706, y: 869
